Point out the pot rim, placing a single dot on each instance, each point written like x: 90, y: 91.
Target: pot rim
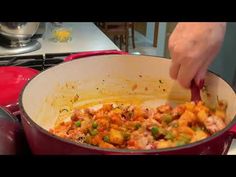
x: 91, y: 147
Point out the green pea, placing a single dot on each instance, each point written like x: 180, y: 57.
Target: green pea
x: 169, y: 136
x: 175, y: 125
x: 93, y: 132
x: 126, y: 136
x: 184, y: 139
x: 137, y: 126
x: 196, y: 128
x: 106, y: 139
x: 155, y: 131
x: 88, y: 139
x: 180, y: 143
x: 161, y: 131
x: 78, y: 123
x: 167, y: 118
x: 95, y: 125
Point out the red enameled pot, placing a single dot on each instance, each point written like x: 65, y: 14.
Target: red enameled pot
x: 106, y: 76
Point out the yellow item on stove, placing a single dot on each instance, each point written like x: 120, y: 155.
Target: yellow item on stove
x: 62, y: 35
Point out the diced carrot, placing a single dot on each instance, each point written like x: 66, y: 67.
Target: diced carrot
x: 107, y: 107
x: 190, y: 106
x: 201, y: 107
x: 186, y: 130
x: 220, y: 114
x: 106, y: 145
x: 116, y: 137
x: 202, y: 115
x: 96, y: 140
x: 114, y: 126
x: 103, y: 123
x: 116, y: 119
x: 131, y: 143
x: 99, y: 114
x: 138, y: 112
x: 164, y: 108
x: 186, y: 118
x: 138, y: 118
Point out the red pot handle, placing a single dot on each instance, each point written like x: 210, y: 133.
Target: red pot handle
x: 12, y: 135
x: 232, y: 131
x: 13, y: 109
x: 8, y: 115
x: 93, y: 53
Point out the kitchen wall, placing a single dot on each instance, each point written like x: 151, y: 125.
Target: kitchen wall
x: 225, y: 62
x: 150, y: 31
x: 170, y: 26
x: 161, y: 39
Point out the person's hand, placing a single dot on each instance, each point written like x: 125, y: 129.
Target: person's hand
x: 193, y: 46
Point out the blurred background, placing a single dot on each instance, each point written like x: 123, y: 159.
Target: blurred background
x: 151, y: 38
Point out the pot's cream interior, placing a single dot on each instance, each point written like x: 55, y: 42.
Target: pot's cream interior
x: 54, y: 93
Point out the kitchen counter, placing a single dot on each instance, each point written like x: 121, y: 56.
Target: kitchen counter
x: 85, y: 37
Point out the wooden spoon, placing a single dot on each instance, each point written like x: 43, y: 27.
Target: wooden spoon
x: 195, y: 91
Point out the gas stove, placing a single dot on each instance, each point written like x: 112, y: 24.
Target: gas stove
x: 28, y: 55
x: 38, y: 62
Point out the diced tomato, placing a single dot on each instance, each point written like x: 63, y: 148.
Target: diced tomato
x: 138, y: 118
x: 115, y: 119
x: 99, y: 114
x: 96, y: 140
x: 131, y: 142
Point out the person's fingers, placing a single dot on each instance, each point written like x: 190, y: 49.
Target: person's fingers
x: 170, y: 44
x: 188, y: 71
x: 177, y: 60
x: 185, y: 75
x: 201, y: 74
x: 174, y: 69
x: 200, y: 77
